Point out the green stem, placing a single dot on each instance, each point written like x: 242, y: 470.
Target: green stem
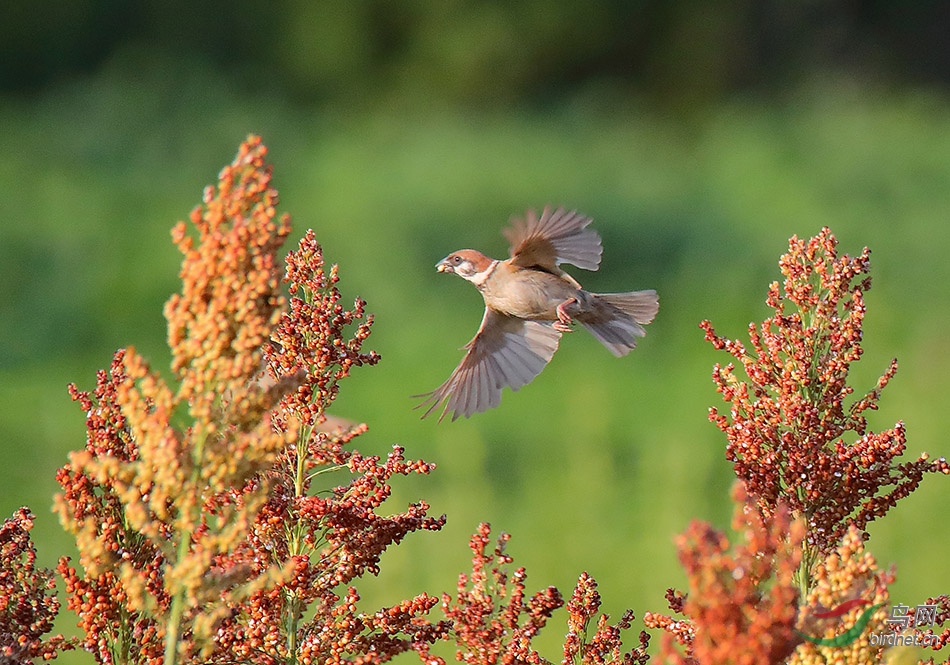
x: 581, y: 652
x: 293, y: 618
x: 173, y: 627
x: 301, y: 476
x: 177, y: 609
x: 296, y: 541
x: 120, y: 650
x: 329, y: 469
x: 804, y: 573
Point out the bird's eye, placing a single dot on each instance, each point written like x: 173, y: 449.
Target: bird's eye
x: 456, y: 260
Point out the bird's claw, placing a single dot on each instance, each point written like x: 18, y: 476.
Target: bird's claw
x: 564, y: 320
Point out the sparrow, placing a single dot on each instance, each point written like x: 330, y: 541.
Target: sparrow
x: 529, y: 302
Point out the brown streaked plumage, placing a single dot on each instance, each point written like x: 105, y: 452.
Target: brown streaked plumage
x: 529, y: 302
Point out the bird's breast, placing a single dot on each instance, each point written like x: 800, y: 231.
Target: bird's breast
x: 526, y: 294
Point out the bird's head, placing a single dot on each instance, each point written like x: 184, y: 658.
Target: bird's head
x: 466, y: 263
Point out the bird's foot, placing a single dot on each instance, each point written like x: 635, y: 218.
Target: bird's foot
x: 564, y: 320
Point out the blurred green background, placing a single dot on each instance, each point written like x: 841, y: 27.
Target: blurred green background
x: 699, y: 135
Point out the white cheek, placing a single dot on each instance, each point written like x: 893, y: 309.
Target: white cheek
x: 479, y: 278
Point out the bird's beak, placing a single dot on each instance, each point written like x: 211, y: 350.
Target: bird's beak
x: 443, y: 265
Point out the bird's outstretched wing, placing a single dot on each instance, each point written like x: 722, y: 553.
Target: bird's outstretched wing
x: 505, y: 351
x: 556, y: 237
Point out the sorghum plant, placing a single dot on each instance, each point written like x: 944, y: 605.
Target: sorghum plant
x: 28, y: 602
x: 848, y: 574
x: 487, y: 611
x: 493, y: 624
x: 204, y: 525
x: 604, y: 647
x: 793, y: 436
x: 941, y: 618
x: 120, y: 565
x: 146, y: 499
x: 330, y: 535
x: 741, y: 607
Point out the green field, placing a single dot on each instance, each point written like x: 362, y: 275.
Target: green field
x: 600, y: 462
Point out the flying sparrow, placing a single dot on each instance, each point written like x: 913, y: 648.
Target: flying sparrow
x: 529, y: 302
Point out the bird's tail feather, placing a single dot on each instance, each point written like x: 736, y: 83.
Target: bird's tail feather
x: 617, y: 319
